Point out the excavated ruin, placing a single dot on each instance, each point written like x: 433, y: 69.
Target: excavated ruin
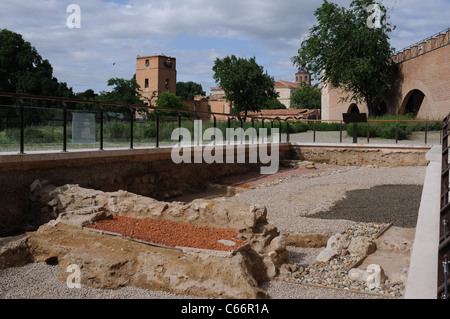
x: 206, y: 248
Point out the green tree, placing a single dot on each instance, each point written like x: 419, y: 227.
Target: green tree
x: 244, y: 82
x: 172, y: 101
x: 124, y: 91
x: 306, y: 97
x: 188, y: 90
x: 353, y: 55
x: 273, y: 104
x: 23, y: 70
x: 89, y: 94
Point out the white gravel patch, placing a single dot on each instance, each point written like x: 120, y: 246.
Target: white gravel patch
x: 291, y: 201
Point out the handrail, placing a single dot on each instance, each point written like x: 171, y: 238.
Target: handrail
x: 237, y: 117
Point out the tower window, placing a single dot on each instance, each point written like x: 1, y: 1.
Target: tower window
x: 147, y: 62
x: 300, y: 77
x: 146, y: 83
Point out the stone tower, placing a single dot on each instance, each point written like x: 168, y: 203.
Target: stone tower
x: 303, y: 76
x: 156, y: 74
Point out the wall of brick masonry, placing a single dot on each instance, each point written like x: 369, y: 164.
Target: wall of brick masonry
x: 426, y: 70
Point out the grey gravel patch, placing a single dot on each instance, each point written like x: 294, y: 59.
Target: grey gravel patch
x: 396, y: 204
x: 290, y: 203
x: 40, y: 281
x: 286, y: 290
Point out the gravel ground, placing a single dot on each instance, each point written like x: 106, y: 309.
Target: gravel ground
x: 40, y: 281
x: 292, y: 205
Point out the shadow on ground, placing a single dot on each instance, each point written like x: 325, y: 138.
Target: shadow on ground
x: 396, y: 204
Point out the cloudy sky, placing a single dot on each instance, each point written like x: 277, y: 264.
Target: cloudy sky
x: 196, y: 32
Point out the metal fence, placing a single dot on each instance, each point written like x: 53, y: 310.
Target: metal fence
x: 444, y: 236
x: 24, y: 127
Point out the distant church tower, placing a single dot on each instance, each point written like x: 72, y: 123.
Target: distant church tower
x: 156, y: 74
x: 303, y: 76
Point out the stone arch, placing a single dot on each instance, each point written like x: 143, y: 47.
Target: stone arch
x: 412, y: 102
x: 353, y: 108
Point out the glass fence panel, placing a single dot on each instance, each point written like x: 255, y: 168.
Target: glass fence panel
x: 9, y: 128
x: 168, y: 125
x: 82, y: 130
x: 319, y: 132
x: 144, y: 130
x: 123, y: 128
x: 117, y: 129
x: 43, y: 129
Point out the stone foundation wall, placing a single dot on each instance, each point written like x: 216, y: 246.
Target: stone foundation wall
x: 108, y: 262
x: 146, y: 172
x: 361, y: 156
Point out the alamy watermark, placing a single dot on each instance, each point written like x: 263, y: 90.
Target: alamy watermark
x: 74, y: 19
x: 74, y: 279
x: 374, y: 20
x: 232, y: 145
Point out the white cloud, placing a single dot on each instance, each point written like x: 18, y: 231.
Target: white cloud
x: 194, y: 31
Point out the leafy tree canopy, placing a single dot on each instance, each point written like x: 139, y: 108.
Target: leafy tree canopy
x: 124, y: 91
x: 353, y: 55
x: 23, y: 70
x: 171, y: 100
x: 188, y: 90
x: 306, y: 97
x: 244, y: 82
x: 273, y: 104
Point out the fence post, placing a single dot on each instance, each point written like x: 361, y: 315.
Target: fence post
x: 396, y: 132
x: 101, y: 127
x: 131, y: 127
x: 340, y: 132
x: 22, y: 126
x: 288, y: 134
x: 279, y: 136
x: 179, y: 126
x: 200, y: 133
x: 271, y: 131
x: 64, y: 126
x: 262, y: 126
x: 215, y: 129
x: 157, y: 128
x: 228, y: 131
x: 314, y: 131
x: 368, y: 132
x: 253, y: 126
x: 242, y: 126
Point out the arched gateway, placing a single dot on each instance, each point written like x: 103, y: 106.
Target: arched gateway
x: 421, y: 89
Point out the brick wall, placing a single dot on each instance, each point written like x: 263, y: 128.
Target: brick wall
x: 423, y: 67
